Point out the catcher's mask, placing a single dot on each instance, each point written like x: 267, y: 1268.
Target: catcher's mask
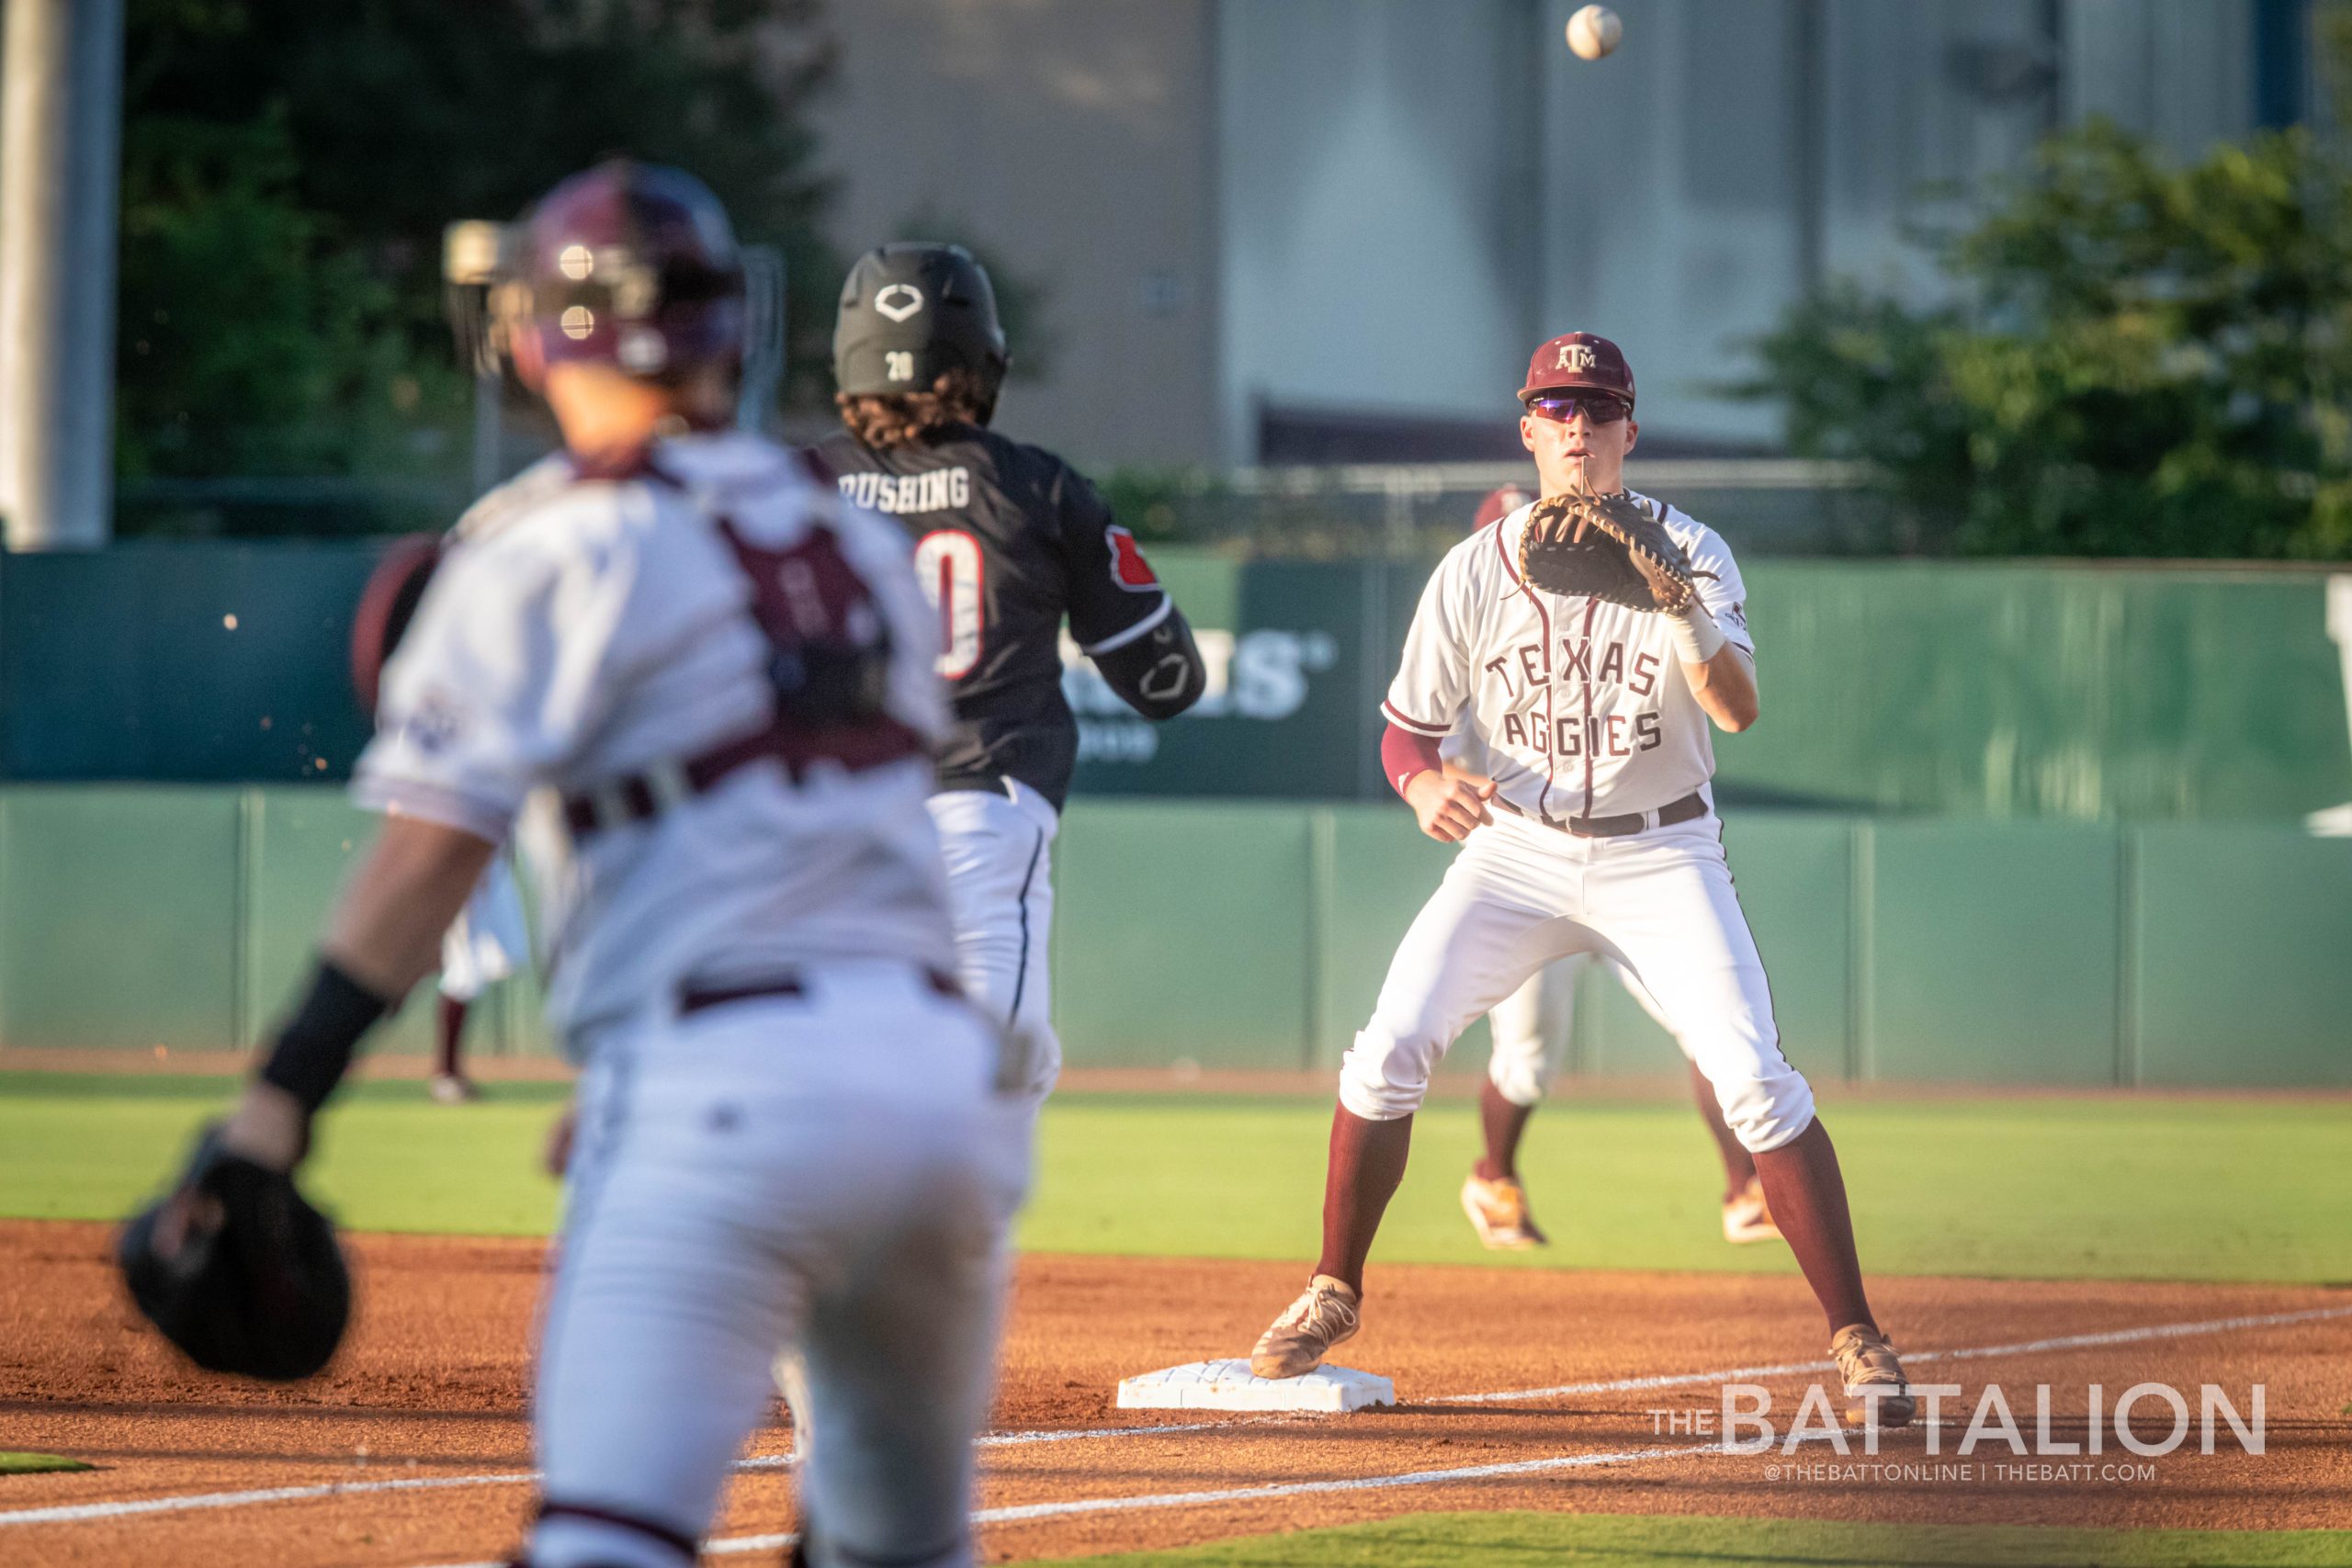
x: 386, y: 606
x: 630, y: 264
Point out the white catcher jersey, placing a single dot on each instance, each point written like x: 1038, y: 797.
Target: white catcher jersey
x: 581, y: 631
x: 1578, y: 707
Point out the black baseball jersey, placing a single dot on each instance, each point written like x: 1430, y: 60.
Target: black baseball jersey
x: 1009, y: 539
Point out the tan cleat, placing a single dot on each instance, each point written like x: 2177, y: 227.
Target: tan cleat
x: 1875, y: 1385
x: 1747, y: 1217
x: 1498, y: 1211
x: 1323, y: 1315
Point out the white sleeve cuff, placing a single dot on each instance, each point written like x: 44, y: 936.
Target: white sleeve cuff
x: 485, y: 820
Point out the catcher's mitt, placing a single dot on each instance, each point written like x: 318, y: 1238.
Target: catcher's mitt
x: 1605, y: 546
x: 238, y: 1271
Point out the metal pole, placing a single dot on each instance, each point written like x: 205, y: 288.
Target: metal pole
x: 59, y: 165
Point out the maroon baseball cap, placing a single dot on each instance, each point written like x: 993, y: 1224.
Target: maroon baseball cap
x: 1502, y: 504
x: 1580, y: 361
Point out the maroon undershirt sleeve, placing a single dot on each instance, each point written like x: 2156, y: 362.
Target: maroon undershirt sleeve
x: 1404, y: 753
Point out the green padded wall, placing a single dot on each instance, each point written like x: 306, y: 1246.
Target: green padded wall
x: 1181, y: 931
x: 1993, y: 951
x: 2241, y: 971
x: 1258, y: 936
x: 120, y: 916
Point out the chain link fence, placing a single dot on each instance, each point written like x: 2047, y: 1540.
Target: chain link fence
x: 1320, y: 512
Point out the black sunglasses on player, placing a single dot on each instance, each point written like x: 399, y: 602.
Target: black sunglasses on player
x: 1596, y: 410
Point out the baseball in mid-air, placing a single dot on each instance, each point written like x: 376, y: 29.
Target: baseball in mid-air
x: 1594, y: 31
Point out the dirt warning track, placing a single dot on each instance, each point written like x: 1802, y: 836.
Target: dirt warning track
x: 1520, y: 1389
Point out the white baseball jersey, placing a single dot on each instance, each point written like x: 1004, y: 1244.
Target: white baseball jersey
x: 1579, y: 707
x: 580, y: 632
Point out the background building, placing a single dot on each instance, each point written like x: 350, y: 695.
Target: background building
x: 1297, y: 230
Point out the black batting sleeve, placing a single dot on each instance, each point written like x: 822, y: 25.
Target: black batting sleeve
x: 1159, y: 674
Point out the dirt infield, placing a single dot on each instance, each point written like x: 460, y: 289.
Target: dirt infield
x: 420, y: 1426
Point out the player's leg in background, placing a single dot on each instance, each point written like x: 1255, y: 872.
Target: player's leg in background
x: 1531, y: 1042
x: 486, y: 942
x: 1665, y: 899
x: 1746, y: 1216
x: 449, y: 1084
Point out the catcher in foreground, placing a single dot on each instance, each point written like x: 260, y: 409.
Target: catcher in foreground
x: 1585, y: 646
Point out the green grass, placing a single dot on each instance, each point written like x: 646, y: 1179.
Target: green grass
x: 94, y: 1148
x: 1612, y: 1540
x: 2054, y: 1188
x: 37, y: 1465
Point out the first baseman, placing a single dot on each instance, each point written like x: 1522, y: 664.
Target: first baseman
x: 1594, y: 831
x: 701, y: 690
x: 1531, y: 1038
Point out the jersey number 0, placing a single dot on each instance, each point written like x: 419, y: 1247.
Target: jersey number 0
x: 949, y: 565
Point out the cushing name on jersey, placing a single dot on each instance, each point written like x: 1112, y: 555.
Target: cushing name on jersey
x: 939, y: 490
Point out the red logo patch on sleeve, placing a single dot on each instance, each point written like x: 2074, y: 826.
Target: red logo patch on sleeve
x: 1128, y: 568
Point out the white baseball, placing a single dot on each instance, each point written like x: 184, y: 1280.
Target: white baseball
x: 1594, y: 31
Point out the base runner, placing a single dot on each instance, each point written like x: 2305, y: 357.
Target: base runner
x: 1596, y: 832
x: 1530, y: 1040
x: 1009, y: 541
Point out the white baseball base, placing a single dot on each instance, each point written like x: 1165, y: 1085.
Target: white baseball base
x: 1230, y: 1386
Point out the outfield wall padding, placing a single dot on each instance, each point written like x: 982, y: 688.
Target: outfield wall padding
x: 1232, y: 934
x: 2075, y: 691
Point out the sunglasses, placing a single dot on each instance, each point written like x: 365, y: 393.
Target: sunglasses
x: 1596, y: 410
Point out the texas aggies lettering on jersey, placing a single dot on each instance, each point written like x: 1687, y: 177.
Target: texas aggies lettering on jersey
x: 1579, y: 705
x: 1008, y: 540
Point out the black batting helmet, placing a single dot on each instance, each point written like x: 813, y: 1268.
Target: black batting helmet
x: 630, y: 264
x: 909, y: 311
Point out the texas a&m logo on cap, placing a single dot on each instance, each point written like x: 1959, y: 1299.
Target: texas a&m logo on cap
x: 1581, y: 362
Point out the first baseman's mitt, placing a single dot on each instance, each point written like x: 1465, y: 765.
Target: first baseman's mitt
x: 1605, y: 546
x: 238, y: 1271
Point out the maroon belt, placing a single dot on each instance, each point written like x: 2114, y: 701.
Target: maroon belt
x: 694, y: 998
x: 638, y: 797
x: 1688, y: 809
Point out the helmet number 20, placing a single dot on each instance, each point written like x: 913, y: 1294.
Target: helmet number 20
x: 949, y: 566
x: 898, y: 364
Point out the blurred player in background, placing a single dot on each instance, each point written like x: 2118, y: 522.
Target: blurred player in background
x: 705, y: 688
x: 1530, y: 1029
x: 1011, y: 541
x: 486, y: 943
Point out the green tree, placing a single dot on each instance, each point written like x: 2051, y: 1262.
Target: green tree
x: 288, y: 167
x: 2138, y: 358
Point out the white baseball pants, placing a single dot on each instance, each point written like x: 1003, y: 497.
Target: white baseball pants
x: 487, y: 942
x: 1531, y: 1028
x: 998, y: 846
x: 818, y: 1171
x: 1521, y: 896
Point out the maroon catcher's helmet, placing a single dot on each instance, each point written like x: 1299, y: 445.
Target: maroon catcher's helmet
x: 386, y: 606
x: 1500, y: 503
x: 629, y: 265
